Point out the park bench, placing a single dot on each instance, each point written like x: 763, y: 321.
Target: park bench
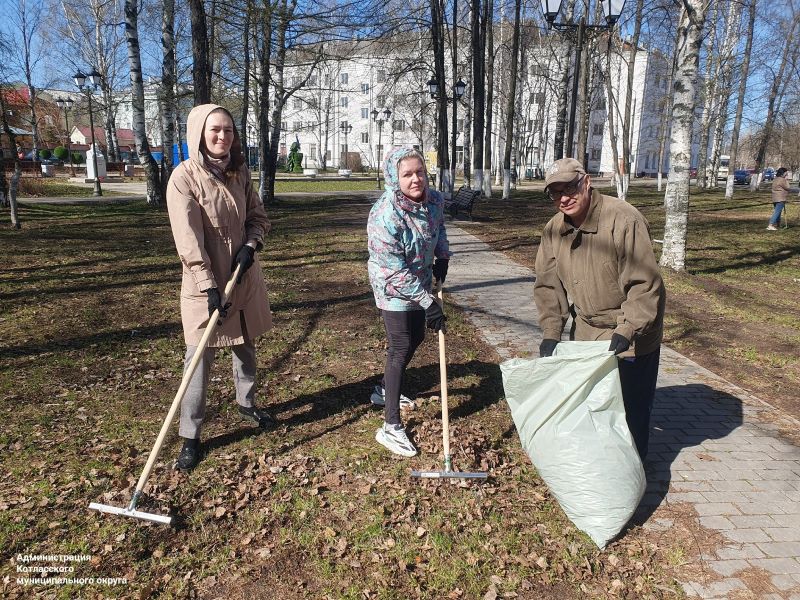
x: 462, y: 202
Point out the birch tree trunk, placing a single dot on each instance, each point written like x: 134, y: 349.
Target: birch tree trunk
x: 168, y: 86
x: 743, y: 72
x: 761, y: 152
x: 676, y: 198
x: 264, y: 53
x: 478, y: 45
x: 666, y: 115
x: 511, y: 101
x: 709, y: 96
x: 627, y: 128
x: 154, y: 189
x: 612, y: 111
x: 10, y: 194
x: 729, y: 43
x: 488, y: 24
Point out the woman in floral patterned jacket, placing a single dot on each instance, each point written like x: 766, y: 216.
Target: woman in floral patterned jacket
x: 405, y: 233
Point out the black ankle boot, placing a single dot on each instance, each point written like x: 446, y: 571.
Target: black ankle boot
x: 255, y: 415
x: 189, y: 456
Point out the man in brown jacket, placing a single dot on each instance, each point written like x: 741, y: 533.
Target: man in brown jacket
x: 218, y: 223
x: 596, y: 261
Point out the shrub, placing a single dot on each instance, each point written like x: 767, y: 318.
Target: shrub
x: 77, y: 158
x: 44, y: 154
x: 60, y: 153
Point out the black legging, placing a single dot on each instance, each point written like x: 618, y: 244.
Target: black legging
x: 405, y: 331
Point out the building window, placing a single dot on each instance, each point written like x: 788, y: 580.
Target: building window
x: 365, y: 113
x: 597, y: 129
x: 381, y: 76
x: 364, y: 137
x: 398, y: 125
x: 600, y: 104
x: 284, y: 125
x: 460, y: 126
x: 343, y: 78
x: 530, y: 125
x: 312, y: 80
x: 595, y: 153
x: 365, y: 88
x: 327, y: 154
x: 313, y: 151
x: 296, y: 79
x: 343, y: 101
x: 343, y: 124
x: 282, y: 149
x: 297, y: 125
x: 380, y: 101
x: 297, y: 103
x: 343, y: 149
x: 380, y: 151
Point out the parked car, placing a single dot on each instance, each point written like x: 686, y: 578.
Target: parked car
x: 741, y: 176
x: 769, y: 174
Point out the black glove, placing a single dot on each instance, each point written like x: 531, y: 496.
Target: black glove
x: 435, y: 318
x: 440, y: 269
x: 244, y: 257
x: 215, y: 303
x: 547, y: 347
x: 619, y: 343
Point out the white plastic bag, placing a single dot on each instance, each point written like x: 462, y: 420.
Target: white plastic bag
x: 570, y: 417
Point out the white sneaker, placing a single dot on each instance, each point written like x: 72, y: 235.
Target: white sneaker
x: 378, y: 398
x: 772, y: 228
x: 395, y: 439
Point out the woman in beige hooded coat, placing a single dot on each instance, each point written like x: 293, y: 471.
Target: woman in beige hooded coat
x: 218, y: 223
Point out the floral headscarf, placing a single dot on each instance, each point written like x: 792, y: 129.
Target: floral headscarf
x: 391, y: 178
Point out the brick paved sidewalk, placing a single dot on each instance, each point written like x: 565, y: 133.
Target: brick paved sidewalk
x: 713, y: 446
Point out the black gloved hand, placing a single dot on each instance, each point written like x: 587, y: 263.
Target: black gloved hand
x: 547, y: 347
x: 619, y: 343
x: 440, y: 269
x: 434, y: 317
x: 215, y: 303
x: 244, y: 257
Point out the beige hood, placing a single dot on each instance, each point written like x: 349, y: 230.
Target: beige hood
x: 195, y: 124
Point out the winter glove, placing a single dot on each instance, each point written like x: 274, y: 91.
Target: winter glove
x: 440, y: 269
x: 619, y: 343
x: 215, y: 303
x: 244, y: 257
x: 547, y: 347
x: 435, y: 318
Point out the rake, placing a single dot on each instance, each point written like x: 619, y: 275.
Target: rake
x: 131, y: 511
x: 448, y: 461
x: 785, y: 218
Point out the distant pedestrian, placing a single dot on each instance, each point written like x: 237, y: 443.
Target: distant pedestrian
x: 405, y: 233
x: 218, y: 223
x: 780, y: 194
x: 596, y: 261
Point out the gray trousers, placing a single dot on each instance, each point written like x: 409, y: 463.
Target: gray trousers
x: 193, y: 406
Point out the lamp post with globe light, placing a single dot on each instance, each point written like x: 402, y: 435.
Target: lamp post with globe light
x: 345, y: 128
x: 80, y: 80
x: 386, y: 114
x: 612, y: 9
x: 66, y: 105
x: 458, y: 92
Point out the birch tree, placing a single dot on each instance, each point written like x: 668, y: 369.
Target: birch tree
x: 676, y: 198
x: 744, y: 70
x: 167, y: 90
x: 26, y: 18
x: 478, y: 85
x: 709, y: 90
x: 488, y: 27
x: 789, y: 49
x: 154, y: 189
x: 511, y: 102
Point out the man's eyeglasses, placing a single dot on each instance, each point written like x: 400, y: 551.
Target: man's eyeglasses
x: 570, y: 191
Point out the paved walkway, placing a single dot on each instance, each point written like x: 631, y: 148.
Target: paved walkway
x: 713, y: 446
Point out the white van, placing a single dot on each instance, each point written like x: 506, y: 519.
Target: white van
x: 724, y: 163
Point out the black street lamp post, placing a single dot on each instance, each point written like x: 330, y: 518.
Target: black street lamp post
x: 345, y: 128
x: 458, y: 92
x: 612, y: 9
x: 386, y: 114
x: 80, y: 81
x: 66, y: 105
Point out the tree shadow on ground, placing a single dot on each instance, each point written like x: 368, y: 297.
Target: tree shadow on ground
x: 351, y: 400
x: 683, y: 418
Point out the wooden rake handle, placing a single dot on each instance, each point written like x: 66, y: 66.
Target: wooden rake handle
x: 443, y: 378
x: 187, y: 376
